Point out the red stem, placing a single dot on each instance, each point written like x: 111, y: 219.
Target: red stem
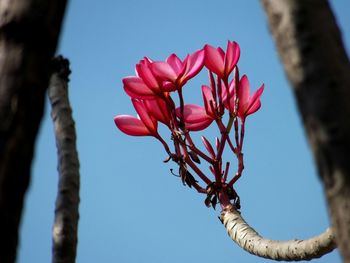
x: 199, y: 188
x: 239, y: 155
x: 223, y: 131
x: 242, y: 134
x: 181, y: 98
x: 166, y: 147
x: 239, y: 171
x: 227, y: 168
x: 231, y: 145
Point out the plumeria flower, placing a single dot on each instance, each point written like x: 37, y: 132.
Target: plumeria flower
x: 150, y: 91
x: 143, y: 125
x: 219, y: 62
x: 175, y: 73
x: 248, y: 104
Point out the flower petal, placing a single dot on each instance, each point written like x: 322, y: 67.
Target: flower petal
x: 163, y: 71
x: 243, y: 93
x: 254, y: 102
x: 159, y: 110
x: 193, y: 113
x: 135, y: 87
x: 146, y: 61
x: 194, y: 64
x: 198, y: 126
x: 168, y: 86
x: 174, y: 61
x: 214, y: 59
x: 231, y: 57
x: 147, y: 76
x: 131, y: 125
x: 149, y: 121
x: 209, y: 101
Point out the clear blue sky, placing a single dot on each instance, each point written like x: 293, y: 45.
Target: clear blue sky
x: 132, y: 209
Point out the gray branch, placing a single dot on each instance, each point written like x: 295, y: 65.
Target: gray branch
x: 289, y: 250
x: 67, y: 202
x: 309, y: 43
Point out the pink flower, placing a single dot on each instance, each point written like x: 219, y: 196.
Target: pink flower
x: 175, y: 73
x: 220, y: 63
x: 248, y: 104
x: 195, y: 117
x: 144, y: 125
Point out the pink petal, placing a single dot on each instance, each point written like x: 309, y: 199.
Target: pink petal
x: 146, y: 75
x: 150, y: 123
x: 254, y: 102
x: 168, y: 86
x: 158, y: 109
x: 193, y: 113
x: 214, y: 59
x: 175, y: 63
x: 198, y: 126
x: 146, y: 61
x: 243, y: 92
x: 135, y: 87
x: 131, y: 125
x: 232, y: 56
x: 163, y: 71
x: 208, y: 100
x: 194, y: 64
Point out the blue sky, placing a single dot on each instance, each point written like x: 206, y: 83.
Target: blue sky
x: 132, y: 209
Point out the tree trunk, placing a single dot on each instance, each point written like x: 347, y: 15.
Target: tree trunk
x: 29, y: 31
x: 67, y: 202
x: 311, y: 49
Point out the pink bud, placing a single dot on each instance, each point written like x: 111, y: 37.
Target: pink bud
x: 208, y: 146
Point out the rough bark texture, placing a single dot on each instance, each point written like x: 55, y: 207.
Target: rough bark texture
x: 291, y: 250
x: 29, y: 31
x: 67, y: 201
x: 310, y: 46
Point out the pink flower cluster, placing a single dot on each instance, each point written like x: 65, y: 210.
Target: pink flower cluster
x: 151, y: 92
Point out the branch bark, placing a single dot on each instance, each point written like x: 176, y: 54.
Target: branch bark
x: 291, y: 250
x: 311, y: 49
x: 67, y: 203
x: 29, y: 33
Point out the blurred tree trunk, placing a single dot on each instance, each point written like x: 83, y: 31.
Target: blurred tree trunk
x: 315, y: 61
x: 29, y: 31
